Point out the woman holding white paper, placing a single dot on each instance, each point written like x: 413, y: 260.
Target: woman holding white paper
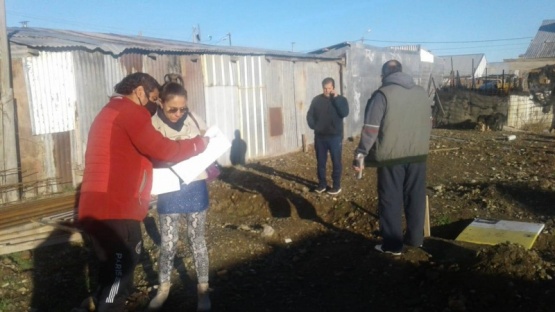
x: 174, y: 120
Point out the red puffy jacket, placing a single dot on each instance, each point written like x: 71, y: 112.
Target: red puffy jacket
x: 118, y: 171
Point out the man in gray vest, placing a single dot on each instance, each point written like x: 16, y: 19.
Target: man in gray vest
x: 395, y: 138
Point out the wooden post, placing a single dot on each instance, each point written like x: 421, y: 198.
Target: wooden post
x: 303, y: 138
x: 427, y: 219
x: 8, y: 118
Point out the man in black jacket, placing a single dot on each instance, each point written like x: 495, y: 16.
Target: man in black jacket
x: 396, y: 138
x: 325, y: 117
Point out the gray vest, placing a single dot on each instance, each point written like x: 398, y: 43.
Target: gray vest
x: 404, y: 134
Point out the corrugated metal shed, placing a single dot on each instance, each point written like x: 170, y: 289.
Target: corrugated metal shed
x: 543, y: 44
x: 63, y: 78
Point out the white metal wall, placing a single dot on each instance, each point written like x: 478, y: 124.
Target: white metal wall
x: 52, y: 96
x: 235, y: 99
x: 240, y: 90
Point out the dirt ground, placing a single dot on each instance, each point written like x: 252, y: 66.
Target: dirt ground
x: 277, y: 246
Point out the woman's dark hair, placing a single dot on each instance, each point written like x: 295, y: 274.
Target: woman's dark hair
x: 132, y: 81
x: 172, y: 77
x: 170, y: 90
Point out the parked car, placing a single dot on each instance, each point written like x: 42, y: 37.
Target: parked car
x: 489, y: 86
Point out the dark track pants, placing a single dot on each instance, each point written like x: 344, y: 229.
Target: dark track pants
x: 117, y: 245
x: 402, y: 188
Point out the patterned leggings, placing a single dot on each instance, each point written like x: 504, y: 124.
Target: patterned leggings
x: 169, y: 228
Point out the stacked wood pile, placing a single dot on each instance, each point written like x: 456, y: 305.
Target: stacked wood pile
x: 42, y: 222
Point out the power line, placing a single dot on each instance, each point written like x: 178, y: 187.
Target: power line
x: 446, y: 42
x: 476, y: 47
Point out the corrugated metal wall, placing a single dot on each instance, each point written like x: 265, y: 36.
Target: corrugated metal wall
x: 252, y: 96
x: 223, y: 100
x: 96, y: 74
x: 52, y: 98
x: 247, y: 93
x: 308, y: 84
x: 58, y: 122
x: 191, y: 70
x: 282, y: 111
x: 363, y: 73
x: 264, y: 98
x: 45, y: 159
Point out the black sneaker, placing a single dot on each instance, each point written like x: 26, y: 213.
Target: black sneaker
x: 320, y: 189
x: 334, y: 191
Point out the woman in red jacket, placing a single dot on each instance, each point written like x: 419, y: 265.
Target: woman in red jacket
x: 115, y: 192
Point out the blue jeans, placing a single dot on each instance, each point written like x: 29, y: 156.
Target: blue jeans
x: 334, y: 146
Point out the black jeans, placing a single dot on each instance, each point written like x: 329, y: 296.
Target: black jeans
x: 117, y: 245
x: 402, y: 188
x: 333, y: 145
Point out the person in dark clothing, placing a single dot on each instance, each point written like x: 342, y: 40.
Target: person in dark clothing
x: 395, y: 138
x: 325, y: 117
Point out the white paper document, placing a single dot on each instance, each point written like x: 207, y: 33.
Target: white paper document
x: 189, y: 169
x: 165, y: 181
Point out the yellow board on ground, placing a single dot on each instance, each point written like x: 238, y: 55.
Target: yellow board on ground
x: 492, y: 232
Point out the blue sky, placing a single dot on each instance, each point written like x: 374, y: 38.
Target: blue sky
x: 502, y: 29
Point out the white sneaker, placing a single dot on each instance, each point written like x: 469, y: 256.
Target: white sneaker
x: 161, y: 295
x: 379, y: 248
x: 334, y: 191
x: 203, y: 301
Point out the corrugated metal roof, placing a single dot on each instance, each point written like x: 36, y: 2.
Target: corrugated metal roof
x: 42, y: 38
x: 543, y: 45
x: 348, y: 44
x: 333, y: 47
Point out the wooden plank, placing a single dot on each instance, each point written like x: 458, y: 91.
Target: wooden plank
x: 67, y: 228
x: 445, y: 149
x: 39, y: 229
x: 427, y: 232
x: 74, y: 237
x: 18, y: 228
x: 31, y: 236
x: 61, y: 215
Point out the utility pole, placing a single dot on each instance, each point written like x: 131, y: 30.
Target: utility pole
x: 196, y: 34
x: 9, y: 173
x: 293, y: 46
x: 229, y: 38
